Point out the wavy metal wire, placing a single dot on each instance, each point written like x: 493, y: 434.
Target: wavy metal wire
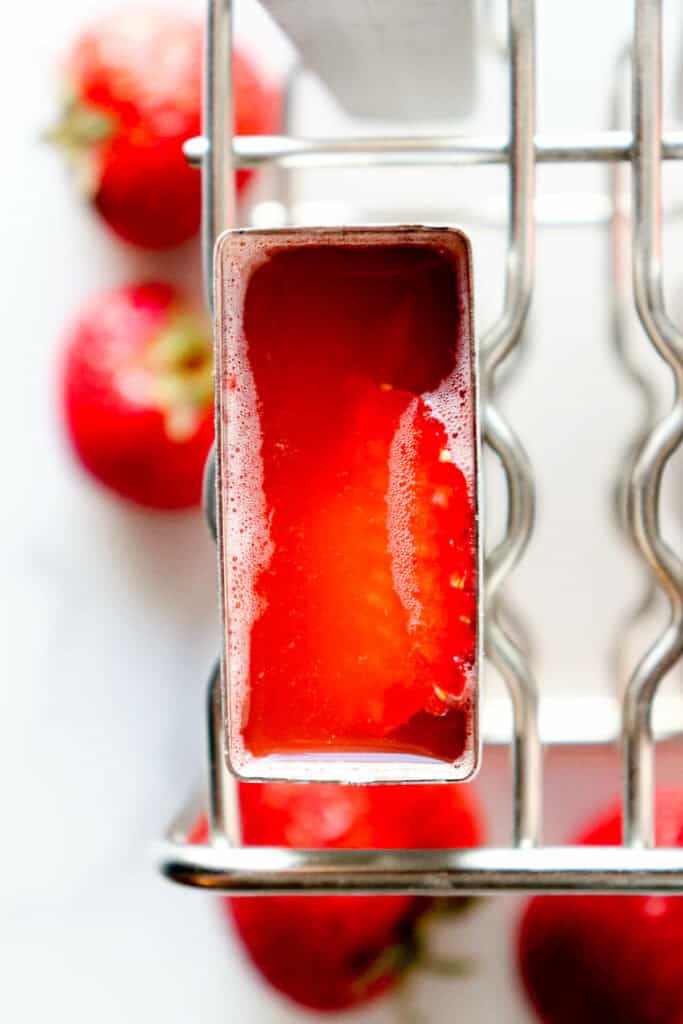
x: 498, y: 344
x: 658, y: 447
x: 620, y: 302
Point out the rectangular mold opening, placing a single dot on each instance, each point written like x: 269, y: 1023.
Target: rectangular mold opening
x: 348, y: 511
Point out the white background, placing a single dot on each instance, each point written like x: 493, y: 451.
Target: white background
x: 109, y: 620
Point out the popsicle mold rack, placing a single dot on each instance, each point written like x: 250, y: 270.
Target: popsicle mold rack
x: 526, y: 864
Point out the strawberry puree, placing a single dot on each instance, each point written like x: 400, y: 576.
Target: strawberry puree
x: 353, y: 599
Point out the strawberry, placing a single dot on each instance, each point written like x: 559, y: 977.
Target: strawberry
x: 335, y: 952
x: 132, y: 98
x: 608, y: 959
x: 137, y: 393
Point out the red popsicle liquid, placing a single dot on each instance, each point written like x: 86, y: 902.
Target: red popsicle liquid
x: 350, y: 535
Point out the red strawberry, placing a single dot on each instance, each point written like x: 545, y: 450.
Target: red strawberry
x: 608, y: 959
x: 133, y: 96
x: 137, y: 393
x: 335, y: 952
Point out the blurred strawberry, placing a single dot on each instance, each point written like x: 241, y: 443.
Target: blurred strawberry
x: 608, y: 959
x: 137, y: 393
x: 335, y: 952
x: 132, y: 85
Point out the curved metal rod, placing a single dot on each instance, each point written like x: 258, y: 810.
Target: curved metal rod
x: 257, y: 870
x: 619, y: 298
x: 520, y: 518
x: 664, y: 439
x: 497, y: 346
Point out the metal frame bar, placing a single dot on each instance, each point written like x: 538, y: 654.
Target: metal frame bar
x: 562, y: 869
x: 225, y: 866
x: 427, y: 150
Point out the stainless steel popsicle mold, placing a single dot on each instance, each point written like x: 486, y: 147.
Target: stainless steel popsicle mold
x: 525, y: 865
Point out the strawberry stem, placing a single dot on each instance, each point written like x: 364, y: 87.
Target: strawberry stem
x: 80, y: 126
x: 445, y: 967
x: 392, y: 960
x: 180, y: 361
x: 79, y: 129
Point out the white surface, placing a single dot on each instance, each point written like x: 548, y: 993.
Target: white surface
x: 109, y: 623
